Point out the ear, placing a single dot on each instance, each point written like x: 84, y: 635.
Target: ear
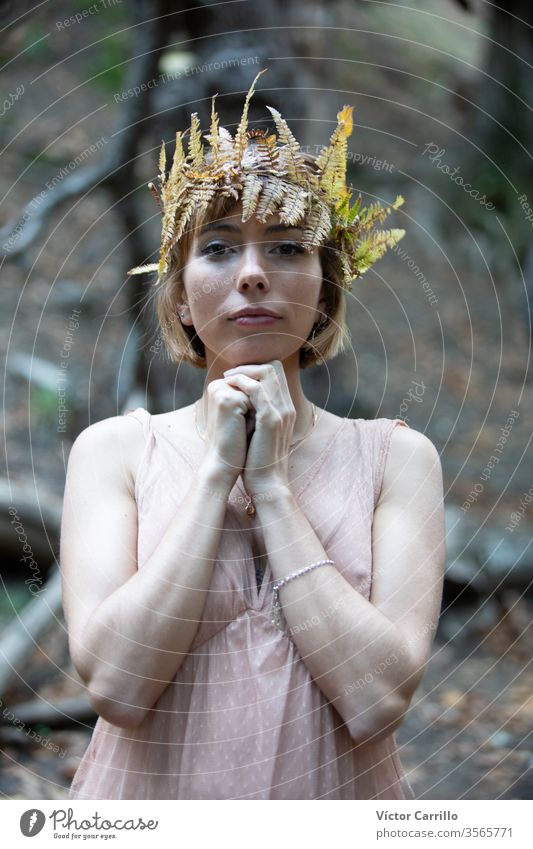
x: 184, y: 313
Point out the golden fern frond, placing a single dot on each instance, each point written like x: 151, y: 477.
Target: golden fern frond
x: 261, y: 154
x: 294, y: 205
x: 240, y: 135
x: 143, y: 269
x: 168, y: 223
x: 225, y: 144
x: 179, y: 153
x: 332, y: 159
x: 318, y: 225
x: 291, y: 151
x: 173, y: 183
x: 162, y: 164
x: 196, y: 148
x: 212, y: 136
x: 272, y: 195
x: 202, y: 198
x: 348, y: 272
x: 182, y: 220
x: 334, y: 166
x: 251, y: 192
x: 269, y: 173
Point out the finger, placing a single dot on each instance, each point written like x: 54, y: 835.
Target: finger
x: 252, y: 388
x: 236, y: 395
x: 272, y: 375
x: 267, y: 410
x: 274, y: 367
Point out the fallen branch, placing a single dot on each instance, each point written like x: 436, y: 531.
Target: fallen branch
x: 38, y: 511
x: 17, y: 235
x: 63, y: 713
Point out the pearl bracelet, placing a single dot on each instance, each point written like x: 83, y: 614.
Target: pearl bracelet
x: 276, y: 606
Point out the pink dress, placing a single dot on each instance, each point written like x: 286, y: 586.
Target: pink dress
x: 243, y: 718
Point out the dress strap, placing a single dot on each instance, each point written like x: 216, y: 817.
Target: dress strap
x: 145, y: 418
x: 142, y: 416
x: 383, y: 433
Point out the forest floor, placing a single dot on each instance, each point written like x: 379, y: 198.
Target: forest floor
x: 467, y: 734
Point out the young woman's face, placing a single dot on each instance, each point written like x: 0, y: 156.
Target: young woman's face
x: 232, y: 266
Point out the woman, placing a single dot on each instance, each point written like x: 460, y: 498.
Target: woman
x: 251, y: 585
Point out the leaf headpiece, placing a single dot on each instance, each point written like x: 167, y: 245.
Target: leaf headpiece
x: 270, y: 174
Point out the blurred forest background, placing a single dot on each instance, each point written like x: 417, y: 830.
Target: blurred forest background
x: 441, y: 327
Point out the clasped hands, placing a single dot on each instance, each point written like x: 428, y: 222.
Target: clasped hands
x: 273, y: 416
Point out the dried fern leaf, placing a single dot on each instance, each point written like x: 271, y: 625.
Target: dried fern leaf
x: 332, y: 160
x: 294, y: 206
x: 212, y: 136
x: 162, y: 164
x: 318, y: 226
x: 240, y: 135
x: 252, y: 189
x: 196, y: 148
x: 271, y: 197
x: 144, y: 269
x: 155, y: 195
x: 291, y: 152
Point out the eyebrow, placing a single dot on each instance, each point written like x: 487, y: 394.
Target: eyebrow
x: 219, y: 225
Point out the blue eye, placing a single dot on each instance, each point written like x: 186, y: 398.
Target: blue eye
x: 216, y: 253
x: 217, y: 249
x: 295, y: 246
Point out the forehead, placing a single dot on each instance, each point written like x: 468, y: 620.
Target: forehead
x: 232, y: 222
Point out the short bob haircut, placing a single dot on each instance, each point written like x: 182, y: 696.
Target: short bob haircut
x: 183, y: 344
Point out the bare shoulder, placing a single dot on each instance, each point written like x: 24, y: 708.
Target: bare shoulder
x: 181, y: 420
x: 413, y: 462
x: 113, y: 445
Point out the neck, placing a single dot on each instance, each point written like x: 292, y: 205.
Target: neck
x: 291, y: 367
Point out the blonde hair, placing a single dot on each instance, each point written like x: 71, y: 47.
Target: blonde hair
x: 183, y: 344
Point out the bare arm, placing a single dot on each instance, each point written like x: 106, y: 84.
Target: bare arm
x: 130, y: 630
x: 368, y: 656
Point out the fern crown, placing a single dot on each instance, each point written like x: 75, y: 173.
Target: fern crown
x: 270, y: 174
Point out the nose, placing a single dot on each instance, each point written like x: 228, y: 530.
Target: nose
x: 251, y: 274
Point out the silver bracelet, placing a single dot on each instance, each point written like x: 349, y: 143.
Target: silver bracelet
x: 276, y: 606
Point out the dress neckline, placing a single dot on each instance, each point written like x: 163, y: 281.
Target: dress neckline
x: 316, y: 466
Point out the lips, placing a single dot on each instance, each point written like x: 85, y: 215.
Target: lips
x: 253, y: 311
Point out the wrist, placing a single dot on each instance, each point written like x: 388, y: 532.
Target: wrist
x: 273, y: 497
x: 213, y: 479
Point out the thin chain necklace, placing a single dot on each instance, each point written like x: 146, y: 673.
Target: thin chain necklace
x: 250, y: 506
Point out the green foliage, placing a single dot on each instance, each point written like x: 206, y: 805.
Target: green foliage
x: 13, y: 597
x: 35, y: 46
x: 108, y: 63
x: 44, y: 404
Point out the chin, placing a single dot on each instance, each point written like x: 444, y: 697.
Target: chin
x: 257, y: 351
x: 253, y: 352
